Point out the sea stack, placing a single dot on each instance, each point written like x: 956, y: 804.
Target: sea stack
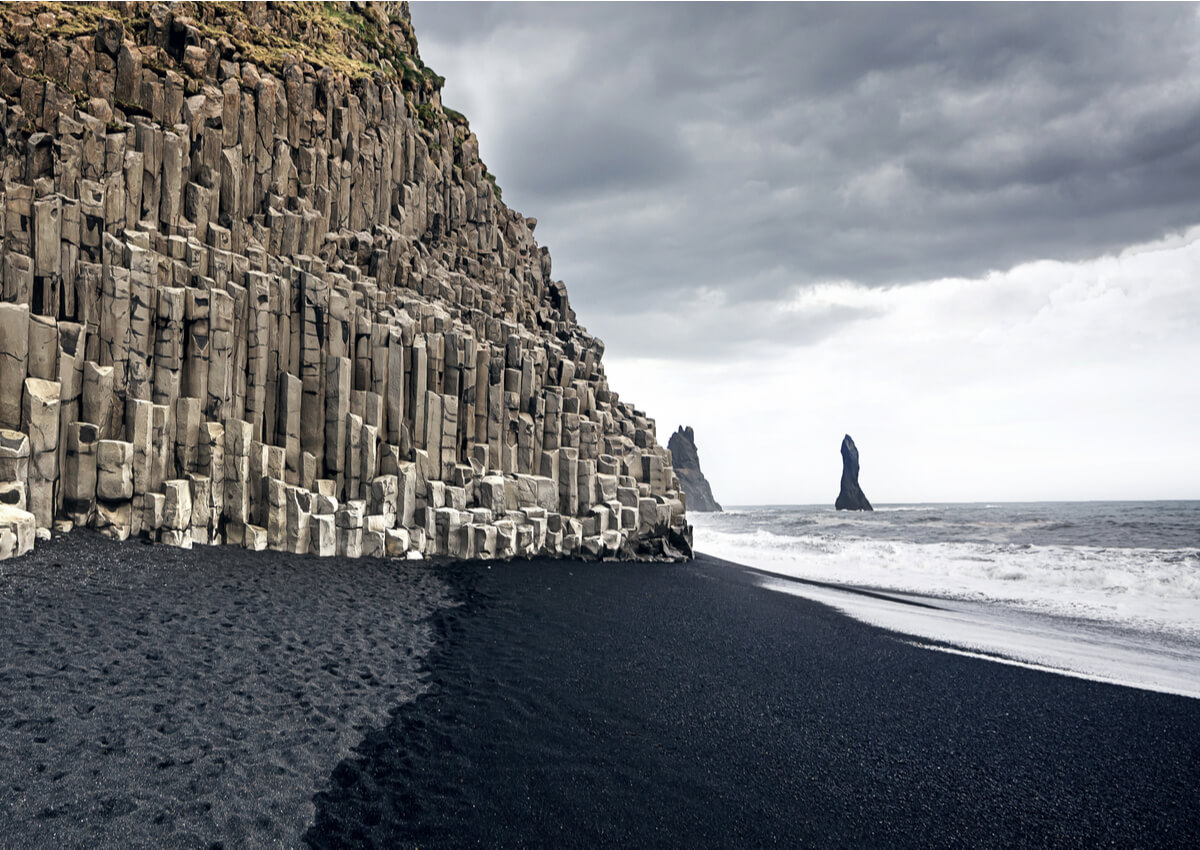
x: 258, y: 288
x: 686, y: 461
x: 852, y: 498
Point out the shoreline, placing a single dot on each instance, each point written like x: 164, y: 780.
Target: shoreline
x: 1008, y: 633
x: 154, y: 695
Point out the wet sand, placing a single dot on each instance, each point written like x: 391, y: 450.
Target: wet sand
x: 154, y: 697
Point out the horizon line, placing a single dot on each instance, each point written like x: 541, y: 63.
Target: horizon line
x: 972, y: 502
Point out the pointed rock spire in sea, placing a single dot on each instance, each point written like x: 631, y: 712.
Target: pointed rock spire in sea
x: 851, y: 497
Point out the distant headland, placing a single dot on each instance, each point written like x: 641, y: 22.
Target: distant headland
x: 686, y: 461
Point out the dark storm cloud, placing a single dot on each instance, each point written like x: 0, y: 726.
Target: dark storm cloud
x: 746, y: 150
x: 608, y: 155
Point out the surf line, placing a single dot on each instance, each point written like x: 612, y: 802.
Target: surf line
x: 1042, y: 668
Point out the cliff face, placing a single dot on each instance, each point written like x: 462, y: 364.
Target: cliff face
x: 686, y: 462
x: 258, y: 288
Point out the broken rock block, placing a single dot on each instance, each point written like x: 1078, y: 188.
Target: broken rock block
x: 322, y: 539
x: 98, y: 396
x: 114, y: 471
x: 647, y: 515
x: 43, y: 348
x: 613, y: 542
x: 14, y: 353
x: 491, y: 493
x: 39, y: 412
x: 396, y: 542
x: 447, y: 522
x: 374, y: 544
x: 275, y: 493
x: 14, y: 461
x: 161, y: 443
x: 254, y: 538
x: 506, y: 538
x: 299, y: 501
x: 201, y: 525
x: 323, y: 505
x: 139, y: 420
x: 525, y: 540
x: 349, y: 542
x: 211, y: 459
x: 485, y: 540
x: 172, y: 537
x: 592, y: 546
x: 113, y: 519
x: 384, y: 498
x: 18, y: 530
x: 177, y: 509
x: 153, y: 508
x: 236, y: 503
x: 79, y: 473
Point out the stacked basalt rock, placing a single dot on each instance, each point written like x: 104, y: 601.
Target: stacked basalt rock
x: 258, y: 289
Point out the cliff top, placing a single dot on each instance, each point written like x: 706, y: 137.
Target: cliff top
x: 360, y: 40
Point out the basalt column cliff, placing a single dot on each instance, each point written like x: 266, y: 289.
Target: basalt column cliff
x: 259, y: 289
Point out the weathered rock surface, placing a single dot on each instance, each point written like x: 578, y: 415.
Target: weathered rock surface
x: 17, y: 529
x: 257, y: 288
x: 851, y: 497
x: 686, y: 461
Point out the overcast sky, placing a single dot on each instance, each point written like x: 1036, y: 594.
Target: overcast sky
x: 967, y: 235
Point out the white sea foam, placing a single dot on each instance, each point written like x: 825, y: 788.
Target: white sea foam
x: 1037, y: 641
x: 1152, y: 590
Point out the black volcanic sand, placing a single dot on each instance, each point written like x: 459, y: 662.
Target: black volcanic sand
x: 156, y: 697
x: 613, y: 705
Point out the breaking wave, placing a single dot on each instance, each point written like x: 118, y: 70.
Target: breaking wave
x: 1011, y: 559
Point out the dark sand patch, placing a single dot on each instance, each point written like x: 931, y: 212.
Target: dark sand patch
x: 604, y: 705
x: 151, y: 696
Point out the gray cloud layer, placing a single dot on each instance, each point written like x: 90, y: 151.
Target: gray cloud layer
x: 752, y: 149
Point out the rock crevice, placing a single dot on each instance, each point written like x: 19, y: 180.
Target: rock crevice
x: 259, y: 289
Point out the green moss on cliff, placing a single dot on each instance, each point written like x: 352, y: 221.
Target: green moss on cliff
x: 357, y: 40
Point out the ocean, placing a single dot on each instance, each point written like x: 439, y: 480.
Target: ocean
x: 1105, y: 590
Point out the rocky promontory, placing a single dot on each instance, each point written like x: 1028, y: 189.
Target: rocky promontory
x: 686, y: 462
x: 851, y: 497
x: 259, y: 289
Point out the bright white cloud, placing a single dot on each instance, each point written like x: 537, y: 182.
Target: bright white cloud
x: 1050, y: 381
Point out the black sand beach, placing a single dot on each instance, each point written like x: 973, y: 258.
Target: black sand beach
x: 610, y: 705
x: 156, y: 697
x: 153, y: 697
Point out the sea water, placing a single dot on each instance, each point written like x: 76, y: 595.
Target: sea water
x: 1105, y: 590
